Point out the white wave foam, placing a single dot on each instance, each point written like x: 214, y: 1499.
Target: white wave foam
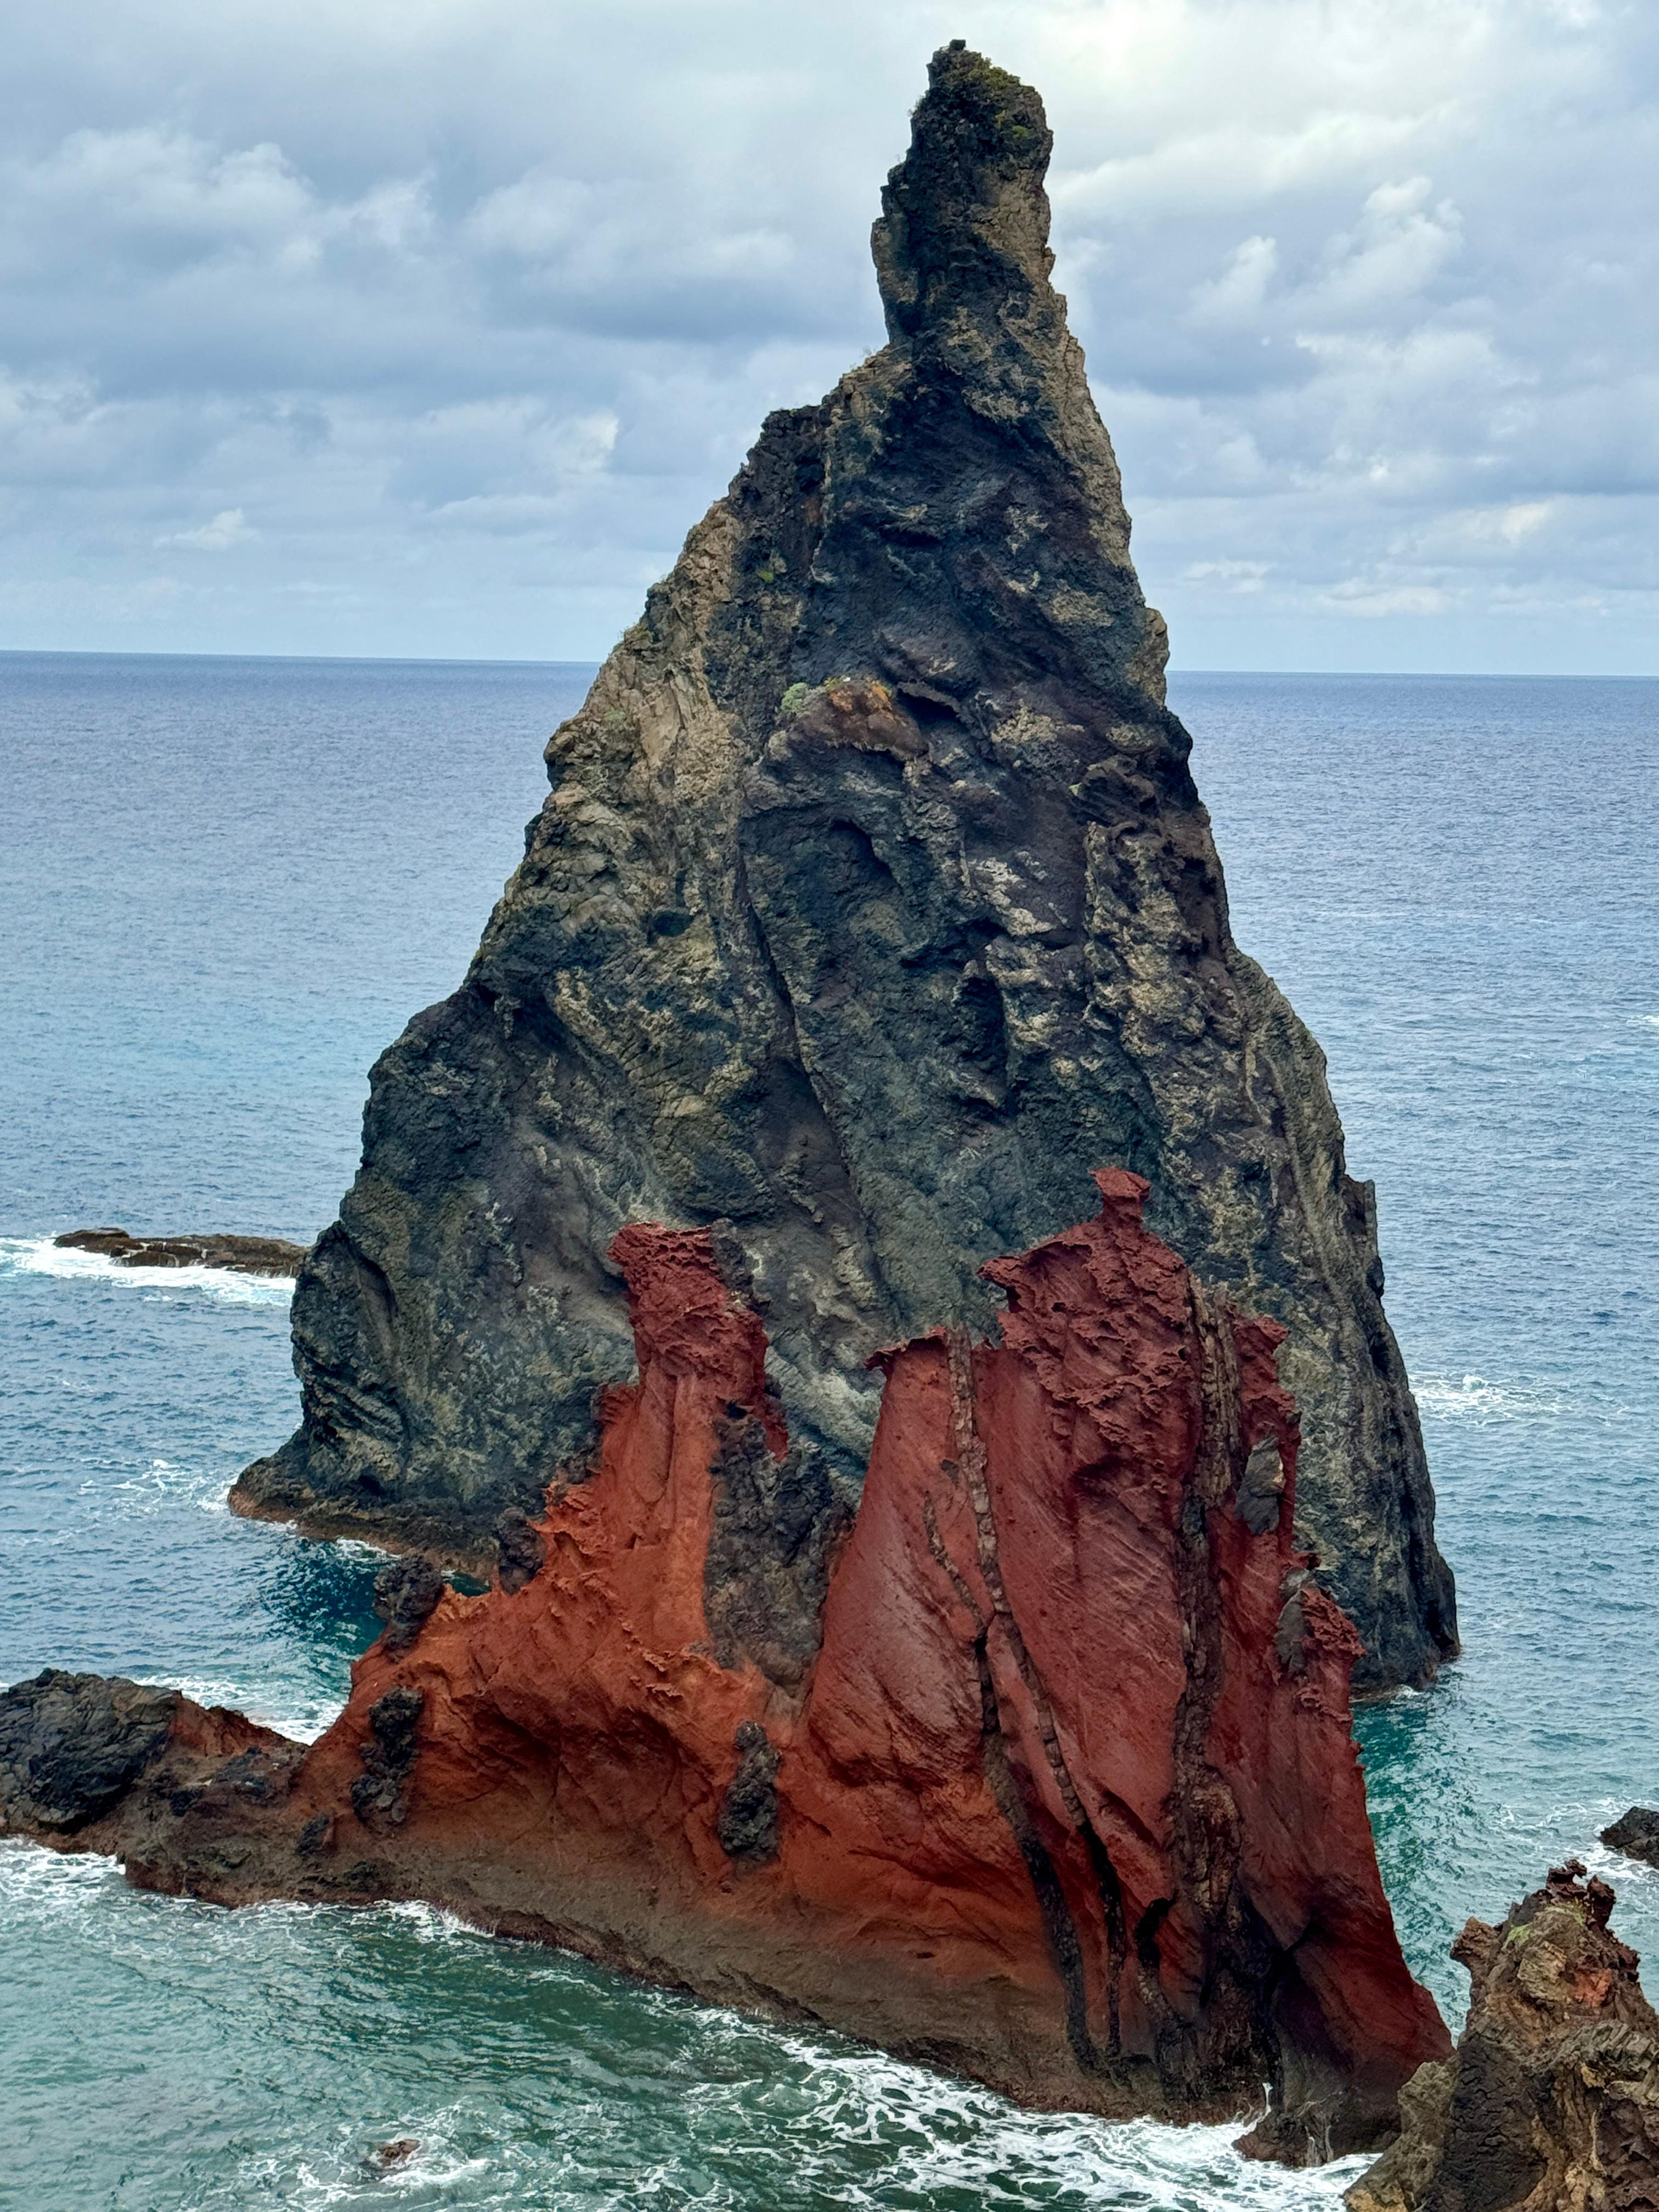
x: 1473, y: 1398
x: 163, y: 1483
x: 355, y: 2176
x: 39, y: 1256
x: 51, y: 1885
x: 431, y: 1925
x: 297, y: 1713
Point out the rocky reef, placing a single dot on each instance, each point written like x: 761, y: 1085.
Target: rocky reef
x: 872, y: 907
x: 240, y: 1255
x: 1551, y: 2102
x: 1037, y: 1767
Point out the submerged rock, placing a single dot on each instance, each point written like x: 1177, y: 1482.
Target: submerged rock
x: 1040, y: 1772
x: 240, y: 1255
x: 1551, y: 2102
x: 872, y: 906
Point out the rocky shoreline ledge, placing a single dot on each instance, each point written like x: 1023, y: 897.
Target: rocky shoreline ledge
x: 238, y: 1256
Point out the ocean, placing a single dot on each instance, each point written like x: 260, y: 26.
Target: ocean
x: 224, y: 887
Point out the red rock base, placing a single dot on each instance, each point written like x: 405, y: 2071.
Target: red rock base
x: 1042, y: 1773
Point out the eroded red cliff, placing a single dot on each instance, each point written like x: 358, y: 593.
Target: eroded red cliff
x: 1041, y: 1771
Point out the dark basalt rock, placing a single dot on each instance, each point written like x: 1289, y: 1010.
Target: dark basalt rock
x: 777, y: 1523
x: 520, y: 1550
x: 748, y: 1822
x: 106, y: 1764
x: 405, y: 1595
x: 240, y: 1255
x: 872, y: 908
x: 381, y: 1793
x: 71, y: 1746
x: 1636, y: 1834
x: 1551, y: 2102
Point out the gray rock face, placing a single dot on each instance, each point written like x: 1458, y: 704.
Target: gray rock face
x: 871, y: 909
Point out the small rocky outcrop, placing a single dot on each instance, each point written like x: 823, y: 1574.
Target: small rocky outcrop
x: 1551, y: 2102
x: 871, y: 907
x: 240, y: 1255
x: 96, y: 1763
x: 1036, y: 1765
x: 1636, y: 1833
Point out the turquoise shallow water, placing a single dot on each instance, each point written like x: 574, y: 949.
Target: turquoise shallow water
x: 224, y: 886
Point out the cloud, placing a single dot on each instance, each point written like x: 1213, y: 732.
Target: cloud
x: 227, y: 528
x: 475, y: 306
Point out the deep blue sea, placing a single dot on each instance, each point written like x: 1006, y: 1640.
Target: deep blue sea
x: 224, y: 887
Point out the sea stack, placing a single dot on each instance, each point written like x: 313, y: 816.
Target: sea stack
x: 871, y: 909
x: 1551, y: 2102
x: 1039, y: 1768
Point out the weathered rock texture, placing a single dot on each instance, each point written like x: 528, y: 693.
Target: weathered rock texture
x: 1041, y: 1771
x: 1636, y: 1833
x: 1551, y: 2102
x: 872, y: 907
x: 240, y: 1255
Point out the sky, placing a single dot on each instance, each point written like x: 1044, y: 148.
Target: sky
x: 429, y: 327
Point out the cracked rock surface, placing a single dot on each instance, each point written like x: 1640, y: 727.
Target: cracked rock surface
x: 872, y: 907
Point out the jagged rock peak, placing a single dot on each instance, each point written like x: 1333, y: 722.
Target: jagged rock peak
x: 962, y: 259
x: 1550, y: 2102
x: 965, y: 221
x: 872, y: 908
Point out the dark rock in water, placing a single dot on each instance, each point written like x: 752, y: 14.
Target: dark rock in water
x: 872, y: 908
x: 1551, y: 2102
x: 240, y: 1255
x: 1637, y: 1834
x: 72, y: 1745
x: 95, y: 1763
x: 387, y: 2156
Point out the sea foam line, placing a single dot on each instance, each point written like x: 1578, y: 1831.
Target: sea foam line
x: 39, y: 1256
x: 1471, y: 1397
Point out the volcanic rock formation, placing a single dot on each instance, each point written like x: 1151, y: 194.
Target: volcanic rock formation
x: 1040, y: 1770
x: 1551, y: 2102
x: 1636, y: 1833
x: 872, y: 907
x: 240, y: 1255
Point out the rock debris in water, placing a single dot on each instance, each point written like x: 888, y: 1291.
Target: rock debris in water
x: 240, y: 1255
x: 871, y: 908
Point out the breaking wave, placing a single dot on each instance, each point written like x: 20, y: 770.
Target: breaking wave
x: 39, y: 1256
x: 1473, y: 1398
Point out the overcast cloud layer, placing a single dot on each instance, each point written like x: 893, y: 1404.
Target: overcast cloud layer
x: 429, y: 328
